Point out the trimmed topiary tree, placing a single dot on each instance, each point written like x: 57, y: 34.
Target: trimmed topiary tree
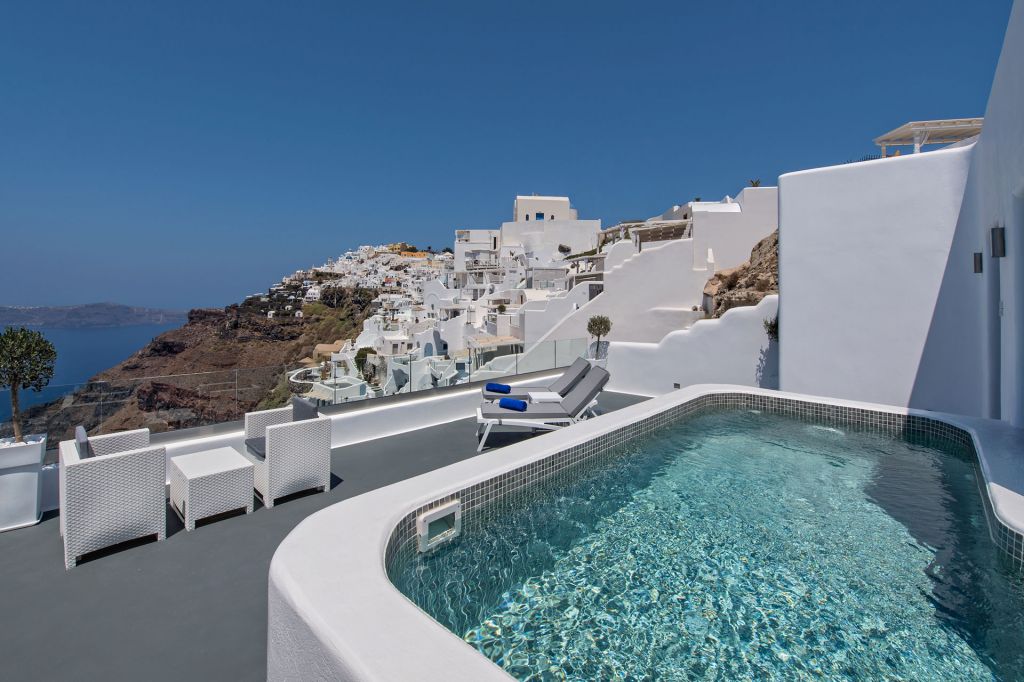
x: 26, y: 363
x: 360, y: 360
x: 599, y: 325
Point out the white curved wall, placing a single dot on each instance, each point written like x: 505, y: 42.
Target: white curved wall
x: 863, y: 250
x: 539, y: 317
x: 452, y: 332
x: 542, y: 238
x: 733, y: 349
x: 617, y: 253
x: 880, y: 301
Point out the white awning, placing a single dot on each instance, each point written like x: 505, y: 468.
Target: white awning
x: 918, y: 133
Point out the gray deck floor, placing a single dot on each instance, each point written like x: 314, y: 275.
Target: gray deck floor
x: 195, y: 606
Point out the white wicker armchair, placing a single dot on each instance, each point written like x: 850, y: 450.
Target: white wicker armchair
x: 117, y: 494
x: 298, y: 454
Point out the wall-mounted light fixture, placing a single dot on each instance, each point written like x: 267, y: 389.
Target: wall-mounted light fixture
x: 998, y: 241
x: 978, y: 261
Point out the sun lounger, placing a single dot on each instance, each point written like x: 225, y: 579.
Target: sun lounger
x: 562, y: 385
x: 577, y: 405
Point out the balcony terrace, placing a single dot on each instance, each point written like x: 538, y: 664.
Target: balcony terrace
x: 194, y: 605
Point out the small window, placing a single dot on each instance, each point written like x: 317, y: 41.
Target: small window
x: 527, y: 217
x: 539, y: 216
x: 551, y: 217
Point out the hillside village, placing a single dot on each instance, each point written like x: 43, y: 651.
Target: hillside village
x: 517, y: 298
x: 391, y: 319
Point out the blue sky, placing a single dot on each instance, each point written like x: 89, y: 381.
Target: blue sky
x: 187, y: 154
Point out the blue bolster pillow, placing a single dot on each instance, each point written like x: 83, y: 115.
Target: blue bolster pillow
x: 498, y: 388
x: 513, y: 404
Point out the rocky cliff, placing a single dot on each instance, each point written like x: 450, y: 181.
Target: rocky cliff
x: 748, y: 283
x: 220, y: 364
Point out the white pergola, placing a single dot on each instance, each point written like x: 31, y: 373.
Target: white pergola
x: 919, y: 133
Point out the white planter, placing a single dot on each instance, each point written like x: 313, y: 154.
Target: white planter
x: 21, y: 481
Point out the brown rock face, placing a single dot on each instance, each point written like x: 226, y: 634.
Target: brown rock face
x: 748, y: 283
x: 219, y: 365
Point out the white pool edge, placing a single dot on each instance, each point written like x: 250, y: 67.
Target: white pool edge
x: 334, y: 614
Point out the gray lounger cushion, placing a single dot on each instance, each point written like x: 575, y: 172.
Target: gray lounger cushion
x: 257, y: 446
x: 570, y: 377
x: 562, y: 385
x: 82, y: 440
x: 585, y: 391
x: 579, y: 397
x: 303, y: 409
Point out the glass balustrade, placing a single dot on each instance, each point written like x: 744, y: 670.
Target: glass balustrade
x: 173, y: 402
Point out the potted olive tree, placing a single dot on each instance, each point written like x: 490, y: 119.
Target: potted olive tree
x: 599, y: 325
x: 26, y: 363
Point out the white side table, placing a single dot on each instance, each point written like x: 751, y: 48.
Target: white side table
x: 210, y: 482
x: 544, y: 397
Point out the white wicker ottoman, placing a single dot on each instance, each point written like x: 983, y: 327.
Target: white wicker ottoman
x: 208, y: 483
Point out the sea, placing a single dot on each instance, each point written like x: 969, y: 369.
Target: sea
x: 81, y: 354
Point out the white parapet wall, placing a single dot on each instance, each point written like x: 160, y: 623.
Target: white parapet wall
x: 881, y: 298
x: 734, y: 349
x: 646, y: 296
x: 863, y: 250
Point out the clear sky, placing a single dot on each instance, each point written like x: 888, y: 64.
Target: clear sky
x: 183, y: 154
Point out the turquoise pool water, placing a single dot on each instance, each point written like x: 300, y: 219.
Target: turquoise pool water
x: 738, y: 545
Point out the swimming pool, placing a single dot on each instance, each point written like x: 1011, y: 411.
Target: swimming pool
x: 736, y: 545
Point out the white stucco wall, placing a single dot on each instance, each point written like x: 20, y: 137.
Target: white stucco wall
x: 538, y: 317
x: 733, y: 349
x: 542, y: 239
x: 617, y: 253
x: 651, y: 293
x: 559, y: 207
x: 646, y: 296
x: 475, y: 244
x: 863, y: 250
x: 994, y: 196
x: 453, y: 332
x: 880, y: 301
x: 436, y: 294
